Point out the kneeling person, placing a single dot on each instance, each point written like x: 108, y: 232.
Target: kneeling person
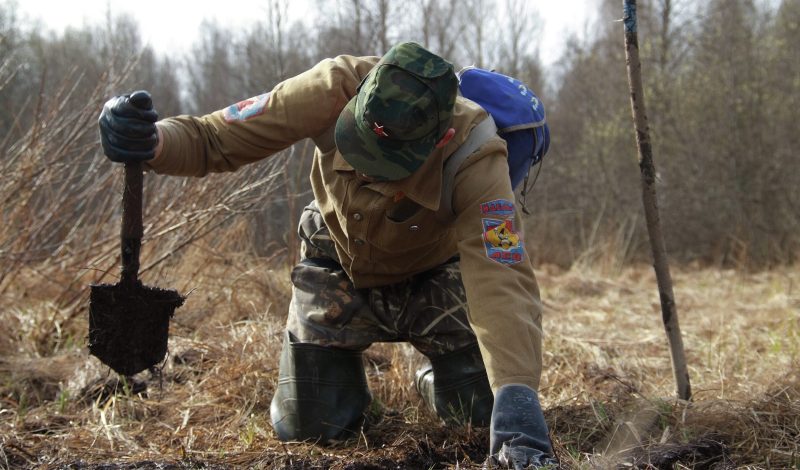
x: 380, y: 260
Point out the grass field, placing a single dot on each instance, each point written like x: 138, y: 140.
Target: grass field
x: 607, y: 386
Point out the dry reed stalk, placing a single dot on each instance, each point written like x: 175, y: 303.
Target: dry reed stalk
x: 669, y: 311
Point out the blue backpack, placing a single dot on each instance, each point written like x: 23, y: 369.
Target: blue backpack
x: 515, y: 113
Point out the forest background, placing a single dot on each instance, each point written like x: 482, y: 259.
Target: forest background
x: 721, y: 84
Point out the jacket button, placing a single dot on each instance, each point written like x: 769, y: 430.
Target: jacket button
x: 358, y: 242
x: 358, y: 216
x: 414, y: 228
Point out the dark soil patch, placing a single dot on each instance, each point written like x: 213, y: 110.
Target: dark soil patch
x: 144, y: 465
x: 396, y: 445
x: 392, y: 446
x: 129, y: 326
x: 704, y: 453
x: 102, y: 389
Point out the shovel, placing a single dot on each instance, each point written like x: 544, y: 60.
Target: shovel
x: 128, y: 321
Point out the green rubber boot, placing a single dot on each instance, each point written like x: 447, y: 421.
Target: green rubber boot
x: 456, y: 387
x: 322, y: 393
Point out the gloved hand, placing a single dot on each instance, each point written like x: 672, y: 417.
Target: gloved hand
x: 127, y: 128
x: 518, y: 437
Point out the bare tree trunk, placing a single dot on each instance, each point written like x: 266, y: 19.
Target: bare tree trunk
x: 277, y: 12
x: 357, y: 26
x: 383, y: 25
x: 479, y: 38
x: 426, y: 8
x: 449, y: 27
x: 668, y: 310
x: 666, y: 42
x: 516, y: 30
x: 476, y: 11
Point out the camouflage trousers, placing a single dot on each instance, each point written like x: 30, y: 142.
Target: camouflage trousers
x: 428, y: 310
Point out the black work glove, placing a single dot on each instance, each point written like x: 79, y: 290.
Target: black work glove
x: 518, y: 437
x: 127, y: 128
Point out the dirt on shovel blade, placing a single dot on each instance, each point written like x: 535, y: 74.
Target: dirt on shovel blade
x: 129, y: 325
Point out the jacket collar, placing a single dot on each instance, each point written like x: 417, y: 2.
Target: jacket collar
x: 423, y: 187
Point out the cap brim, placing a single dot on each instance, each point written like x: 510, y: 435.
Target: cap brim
x: 378, y: 157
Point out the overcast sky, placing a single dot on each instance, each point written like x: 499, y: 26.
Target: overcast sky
x: 172, y: 25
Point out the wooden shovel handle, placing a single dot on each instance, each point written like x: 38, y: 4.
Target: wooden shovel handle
x: 131, y: 233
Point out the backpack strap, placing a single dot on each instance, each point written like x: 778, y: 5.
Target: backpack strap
x: 479, y: 135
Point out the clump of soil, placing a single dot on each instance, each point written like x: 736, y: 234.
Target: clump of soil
x: 129, y: 326
x: 707, y: 452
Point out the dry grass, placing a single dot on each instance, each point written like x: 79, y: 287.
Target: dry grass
x: 606, y: 389
x: 607, y: 361
x: 607, y: 385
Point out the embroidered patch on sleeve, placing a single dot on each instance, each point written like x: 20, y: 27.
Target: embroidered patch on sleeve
x: 498, y: 208
x: 502, y: 241
x: 247, y: 109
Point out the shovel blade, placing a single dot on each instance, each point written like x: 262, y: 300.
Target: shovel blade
x: 129, y: 325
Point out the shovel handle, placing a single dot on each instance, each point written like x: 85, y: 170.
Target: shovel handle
x: 132, y: 230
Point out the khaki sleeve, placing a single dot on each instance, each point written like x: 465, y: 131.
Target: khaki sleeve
x: 502, y: 293
x: 303, y: 106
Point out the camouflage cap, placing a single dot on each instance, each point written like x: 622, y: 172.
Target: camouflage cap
x: 403, y: 107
